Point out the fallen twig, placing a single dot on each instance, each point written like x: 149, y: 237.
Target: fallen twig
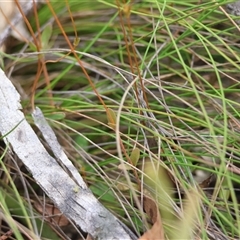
x: 57, y: 178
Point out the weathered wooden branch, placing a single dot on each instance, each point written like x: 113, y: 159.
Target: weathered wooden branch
x: 15, y: 20
x: 57, y: 176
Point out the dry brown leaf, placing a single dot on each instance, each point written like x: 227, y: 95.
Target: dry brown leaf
x: 206, y: 182
x: 156, y: 232
x: 6, y: 235
x: 52, y: 214
x: 89, y: 237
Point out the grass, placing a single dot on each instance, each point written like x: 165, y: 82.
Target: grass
x: 149, y: 99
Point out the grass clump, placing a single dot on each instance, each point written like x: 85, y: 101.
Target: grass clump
x: 144, y: 97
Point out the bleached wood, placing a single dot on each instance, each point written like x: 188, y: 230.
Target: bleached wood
x: 71, y: 196
x: 9, y: 13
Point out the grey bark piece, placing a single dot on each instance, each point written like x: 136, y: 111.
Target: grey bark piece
x: 234, y: 9
x: 58, y: 152
x: 72, y: 197
x: 16, y: 20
